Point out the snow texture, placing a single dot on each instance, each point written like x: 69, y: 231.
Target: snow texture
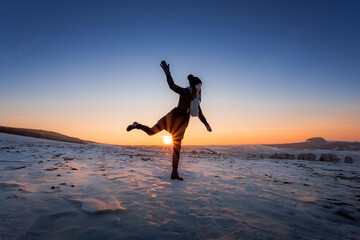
x: 57, y: 190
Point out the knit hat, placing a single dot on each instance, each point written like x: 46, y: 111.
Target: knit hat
x: 193, y: 80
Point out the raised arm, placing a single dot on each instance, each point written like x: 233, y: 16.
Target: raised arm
x: 203, y: 120
x: 170, y: 80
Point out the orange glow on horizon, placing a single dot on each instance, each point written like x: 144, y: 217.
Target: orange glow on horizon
x: 199, y: 136
x: 233, y: 130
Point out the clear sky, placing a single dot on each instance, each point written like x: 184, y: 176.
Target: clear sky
x: 272, y: 71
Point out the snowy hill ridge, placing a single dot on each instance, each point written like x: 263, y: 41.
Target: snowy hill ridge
x: 36, y: 133
x: 320, y: 143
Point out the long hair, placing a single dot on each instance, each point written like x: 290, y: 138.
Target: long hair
x: 193, y: 94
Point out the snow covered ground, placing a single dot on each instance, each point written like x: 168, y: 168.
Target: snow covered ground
x: 57, y: 190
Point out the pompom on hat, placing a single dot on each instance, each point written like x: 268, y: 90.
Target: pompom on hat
x: 193, y: 80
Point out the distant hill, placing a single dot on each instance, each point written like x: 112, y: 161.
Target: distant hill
x: 41, y: 134
x: 316, y: 140
x: 319, y: 143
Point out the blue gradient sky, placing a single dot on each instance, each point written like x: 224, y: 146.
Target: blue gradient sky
x: 273, y: 71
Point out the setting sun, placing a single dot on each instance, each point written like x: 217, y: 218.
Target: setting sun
x: 167, y: 140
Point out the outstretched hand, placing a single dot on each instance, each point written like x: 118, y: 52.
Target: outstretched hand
x: 208, y: 128
x: 165, y: 67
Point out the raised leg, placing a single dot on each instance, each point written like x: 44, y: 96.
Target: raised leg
x: 150, y: 131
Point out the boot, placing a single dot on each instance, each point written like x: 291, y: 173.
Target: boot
x: 132, y: 126
x: 175, y: 175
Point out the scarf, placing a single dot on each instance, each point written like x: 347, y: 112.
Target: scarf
x: 194, y: 105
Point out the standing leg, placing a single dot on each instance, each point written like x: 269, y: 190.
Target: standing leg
x: 176, y: 157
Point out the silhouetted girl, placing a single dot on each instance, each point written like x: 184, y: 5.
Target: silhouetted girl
x: 176, y: 121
